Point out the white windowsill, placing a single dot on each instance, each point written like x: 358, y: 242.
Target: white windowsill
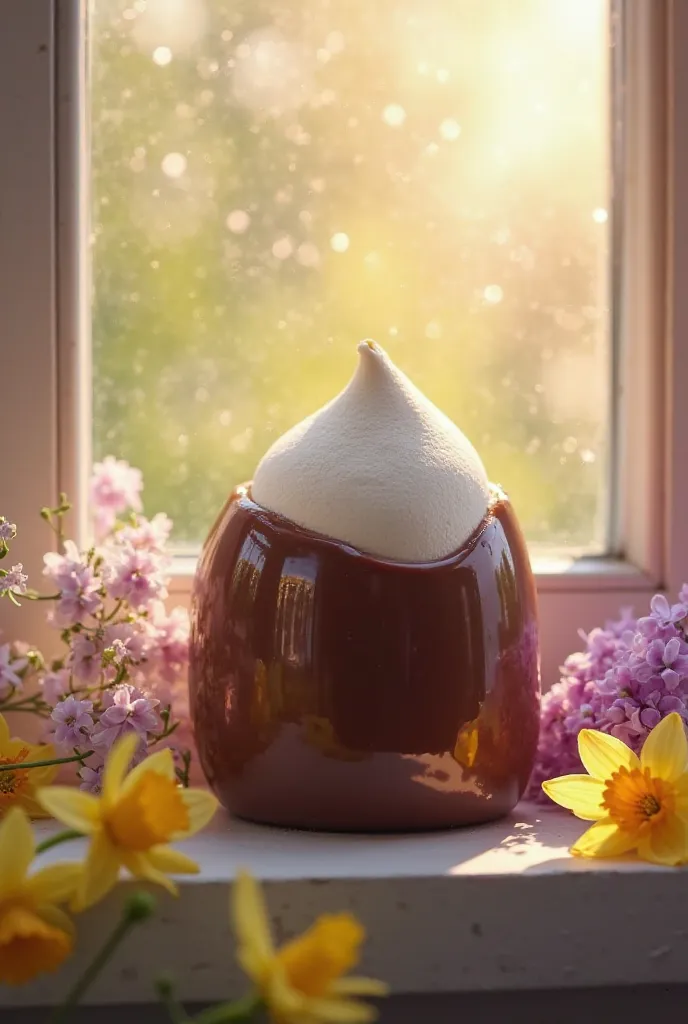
x: 501, y: 906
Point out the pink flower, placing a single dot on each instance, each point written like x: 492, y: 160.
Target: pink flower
x: 54, y: 685
x: 128, y: 711
x: 14, y: 580
x: 131, y: 636
x: 78, y: 585
x: 169, y: 641
x: 91, y: 779
x: 115, y: 487
x: 74, y: 721
x: 147, y: 534
x: 135, y: 576
x: 10, y: 667
x: 8, y: 531
x: 86, y: 659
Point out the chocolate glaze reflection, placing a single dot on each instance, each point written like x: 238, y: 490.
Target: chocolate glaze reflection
x: 334, y: 690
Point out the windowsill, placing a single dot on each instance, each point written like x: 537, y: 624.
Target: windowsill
x: 501, y: 906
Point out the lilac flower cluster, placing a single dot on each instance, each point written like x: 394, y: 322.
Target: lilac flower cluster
x: 123, y: 666
x: 632, y: 673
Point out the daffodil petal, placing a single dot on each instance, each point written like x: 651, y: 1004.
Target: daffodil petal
x: 354, y: 986
x: 581, y: 794
x: 249, y: 913
x: 76, y: 810
x: 666, y: 842
x: 117, y: 764
x: 44, y: 776
x: 200, y: 806
x: 140, y: 865
x: 4, y: 732
x: 173, y: 862
x: 101, y: 871
x: 56, y: 883
x: 33, y: 808
x: 602, y: 755
x: 604, y: 839
x: 57, y: 918
x: 681, y: 796
x: 665, y: 751
x: 16, y: 849
x: 341, y: 1011
x: 160, y: 762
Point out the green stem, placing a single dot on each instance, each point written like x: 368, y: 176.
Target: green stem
x: 138, y: 908
x: 25, y: 704
x: 242, y: 1009
x: 43, y: 764
x: 166, y: 994
x: 59, y: 837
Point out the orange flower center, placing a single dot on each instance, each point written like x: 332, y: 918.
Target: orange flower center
x: 636, y: 800
x: 29, y: 945
x: 152, y: 812
x: 13, y: 784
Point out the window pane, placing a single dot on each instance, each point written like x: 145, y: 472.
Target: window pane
x: 275, y: 180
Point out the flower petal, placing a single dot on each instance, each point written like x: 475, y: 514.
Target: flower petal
x: 57, y: 918
x: 250, y: 918
x: 340, y: 1011
x: 101, y: 871
x: 56, y: 883
x: 581, y: 794
x: 117, y: 765
x: 16, y: 849
x: 604, y: 839
x: 665, y: 751
x: 4, y: 732
x: 602, y: 755
x: 201, y: 806
x: 160, y: 762
x: 76, y: 810
x: 139, y: 864
x: 666, y: 842
x: 172, y: 862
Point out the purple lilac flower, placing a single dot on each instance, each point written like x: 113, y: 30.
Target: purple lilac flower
x: 134, y: 575
x: 78, y: 585
x: 131, y: 635
x: 14, y: 580
x: 85, y: 659
x: 147, y: 534
x: 631, y: 675
x: 91, y: 779
x: 74, y: 721
x: 115, y: 487
x: 54, y: 685
x: 8, y: 531
x: 128, y: 711
x: 169, y: 641
x: 10, y: 667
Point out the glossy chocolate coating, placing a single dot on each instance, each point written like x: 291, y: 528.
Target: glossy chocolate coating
x: 334, y: 690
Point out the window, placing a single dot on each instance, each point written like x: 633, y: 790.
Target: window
x: 274, y: 181
x: 182, y: 402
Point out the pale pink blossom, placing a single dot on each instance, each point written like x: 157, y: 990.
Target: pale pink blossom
x: 128, y: 711
x: 14, y: 580
x: 10, y: 667
x: 134, y: 575
x: 86, y: 659
x: 74, y: 722
x: 147, y: 534
x: 54, y: 685
x: 131, y: 635
x: 8, y: 531
x: 169, y: 636
x: 91, y: 779
x: 115, y: 487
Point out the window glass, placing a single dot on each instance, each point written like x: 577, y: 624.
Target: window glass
x: 273, y: 180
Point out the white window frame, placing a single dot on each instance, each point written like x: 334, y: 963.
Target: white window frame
x: 44, y: 293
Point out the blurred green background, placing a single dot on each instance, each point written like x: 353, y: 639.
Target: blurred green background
x: 274, y: 180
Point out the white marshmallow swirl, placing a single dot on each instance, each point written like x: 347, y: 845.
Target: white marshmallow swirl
x: 380, y: 468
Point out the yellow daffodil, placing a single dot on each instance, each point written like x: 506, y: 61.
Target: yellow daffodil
x: 35, y: 935
x: 138, y: 813
x: 302, y: 982
x: 636, y: 803
x: 18, y: 785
